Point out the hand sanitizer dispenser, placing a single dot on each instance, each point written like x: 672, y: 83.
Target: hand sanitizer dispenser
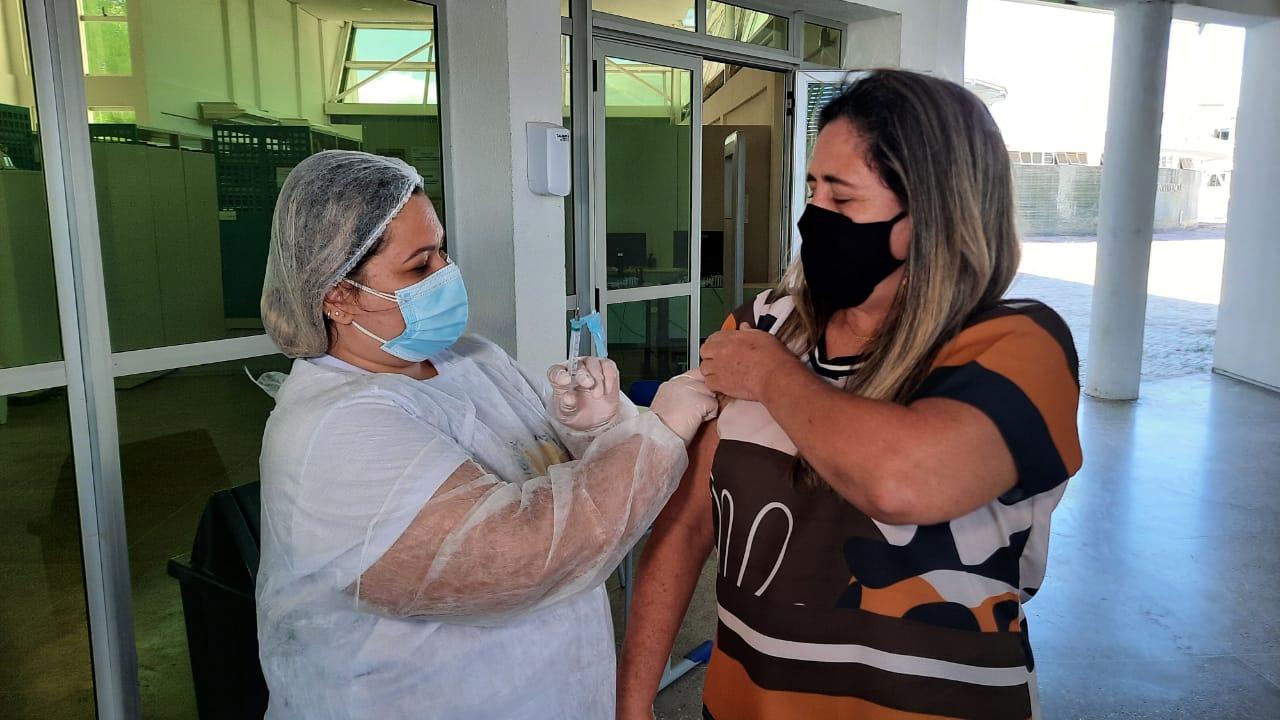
x: 550, y: 169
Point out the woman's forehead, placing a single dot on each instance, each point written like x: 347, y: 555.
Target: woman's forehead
x: 841, y: 151
x: 415, y: 225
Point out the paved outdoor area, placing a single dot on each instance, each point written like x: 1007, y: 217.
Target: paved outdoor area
x: 1182, y: 302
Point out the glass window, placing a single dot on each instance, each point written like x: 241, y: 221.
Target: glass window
x: 823, y: 45
x: 714, y: 75
x: 406, y: 87
x: 678, y: 14
x: 186, y: 194
x: 189, y: 157
x: 648, y: 173
x: 108, y: 115
x: 564, y: 8
x: 820, y: 93
x: 106, y: 37
x: 649, y: 339
x: 390, y: 66
x: 749, y: 26
x: 743, y: 131
x: 184, y: 435
x: 391, y: 44
x: 45, y: 665
x: 44, y: 635
x: 29, y: 330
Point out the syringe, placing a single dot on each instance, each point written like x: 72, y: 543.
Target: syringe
x: 575, y: 345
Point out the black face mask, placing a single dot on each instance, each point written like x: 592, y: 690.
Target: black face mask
x: 844, y: 261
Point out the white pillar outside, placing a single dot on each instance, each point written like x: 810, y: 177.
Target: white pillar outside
x: 502, y: 70
x: 1248, y: 342
x: 1131, y: 158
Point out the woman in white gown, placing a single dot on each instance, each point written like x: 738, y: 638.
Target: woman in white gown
x: 436, y: 527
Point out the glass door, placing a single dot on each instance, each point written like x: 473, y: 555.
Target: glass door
x: 647, y: 178
x: 48, y: 553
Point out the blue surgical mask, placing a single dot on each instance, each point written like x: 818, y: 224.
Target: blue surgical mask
x: 434, y: 310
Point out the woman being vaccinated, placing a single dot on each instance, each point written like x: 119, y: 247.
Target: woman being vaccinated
x: 880, y: 482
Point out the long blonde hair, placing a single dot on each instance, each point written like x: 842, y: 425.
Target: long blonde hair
x: 935, y: 145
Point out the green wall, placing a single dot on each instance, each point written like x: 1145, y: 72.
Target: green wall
x: 647, y: 188
x: 29, y: 330
x: 414, y: 138
x: 158, y: 218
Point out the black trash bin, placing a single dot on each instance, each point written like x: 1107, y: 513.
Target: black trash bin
x: 217, y: 582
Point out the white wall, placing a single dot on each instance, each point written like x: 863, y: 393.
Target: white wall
x: 1248, y: 342
x: 268, y: 56
x: 503, y: 58
x: 533, y: 34
x: 874, y: 42
x: 929, y: 37
x: 181, y: 65
x: 16, y: 84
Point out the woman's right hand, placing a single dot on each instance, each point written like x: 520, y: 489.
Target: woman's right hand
x: 586, y: 401
x: 684, y: 403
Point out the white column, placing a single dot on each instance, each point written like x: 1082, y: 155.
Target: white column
x: 533, y: 36
x: 1248, y: 342
x: 502, y: 70
x: 1131, y: 158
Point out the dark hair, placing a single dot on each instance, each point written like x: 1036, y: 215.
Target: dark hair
x: 937, y: 148
x: 872, y: 104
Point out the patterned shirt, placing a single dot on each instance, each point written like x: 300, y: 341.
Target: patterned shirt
x: 825, y: 612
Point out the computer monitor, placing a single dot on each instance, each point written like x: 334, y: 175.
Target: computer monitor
x: 626, y: 250
x: 712, y: 253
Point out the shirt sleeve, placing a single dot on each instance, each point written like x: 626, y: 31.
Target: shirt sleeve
x: 1020, y: 370
x: 369, y: 467
x: 758, y: 312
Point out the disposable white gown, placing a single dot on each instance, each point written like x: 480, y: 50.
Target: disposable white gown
x: 426, y: 551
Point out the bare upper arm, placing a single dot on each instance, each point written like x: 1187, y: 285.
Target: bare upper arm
x: 963, y: 465
x: 689, y: 509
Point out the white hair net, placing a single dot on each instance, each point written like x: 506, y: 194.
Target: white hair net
x: 332, y: 209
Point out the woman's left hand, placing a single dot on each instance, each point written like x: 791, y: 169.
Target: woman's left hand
x: 739, y: 363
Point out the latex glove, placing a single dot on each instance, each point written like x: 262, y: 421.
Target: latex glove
x: 588, y: 401
x: 684, y: 403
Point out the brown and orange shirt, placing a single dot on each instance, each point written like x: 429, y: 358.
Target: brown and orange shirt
x: 825, y: 612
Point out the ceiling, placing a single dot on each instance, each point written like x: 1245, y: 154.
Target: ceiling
x: 368, y: 10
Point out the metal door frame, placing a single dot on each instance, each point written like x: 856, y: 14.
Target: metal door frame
x: 603, y: 296
x: 735, y: 210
